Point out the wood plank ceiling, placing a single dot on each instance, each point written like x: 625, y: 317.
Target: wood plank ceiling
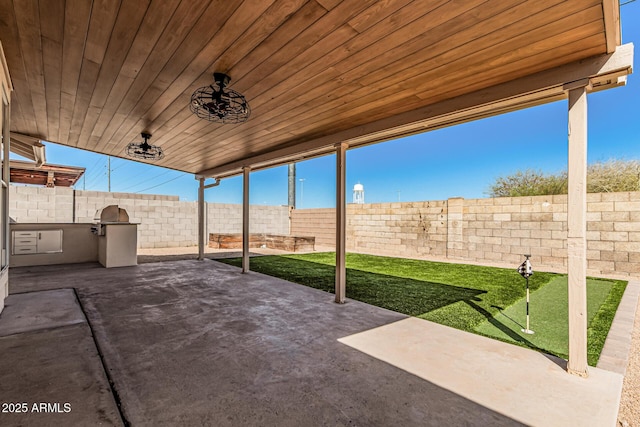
x: 94, y: 74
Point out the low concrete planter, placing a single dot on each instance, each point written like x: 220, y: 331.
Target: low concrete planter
x: 257, y: 240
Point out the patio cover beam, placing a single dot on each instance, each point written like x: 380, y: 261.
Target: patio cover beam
x: 577, y: 228
x: 341, y: 217
x: 604, y: 71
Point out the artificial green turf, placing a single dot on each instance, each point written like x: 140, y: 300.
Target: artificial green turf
x: 549, y: 318
x: 413, y: 287
x: 457, y: 295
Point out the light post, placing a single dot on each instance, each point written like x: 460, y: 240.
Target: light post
x: 301, y: 191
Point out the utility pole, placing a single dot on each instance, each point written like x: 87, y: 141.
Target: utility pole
x: 109, y: 172
x: 292, y: 185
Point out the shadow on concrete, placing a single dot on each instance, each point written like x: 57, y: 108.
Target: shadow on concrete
x: 199, y: 343
x: 504, y: 328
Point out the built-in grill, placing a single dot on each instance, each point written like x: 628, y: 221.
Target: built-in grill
x: 111, y: 214
x: 118, y: 238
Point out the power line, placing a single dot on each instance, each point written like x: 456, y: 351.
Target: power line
x: 163, y: 183
x: 627, y: 2
x: 147, y: 180
x: 95, y: 171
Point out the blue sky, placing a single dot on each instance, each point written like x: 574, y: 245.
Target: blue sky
x: 458, y: 161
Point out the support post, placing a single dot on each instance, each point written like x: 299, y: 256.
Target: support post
x: 201, y: 219
x: 341, y: 208
x: 577, y: 228
x: 245, y: 219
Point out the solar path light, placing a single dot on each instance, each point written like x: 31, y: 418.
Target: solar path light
x: 526, y: 271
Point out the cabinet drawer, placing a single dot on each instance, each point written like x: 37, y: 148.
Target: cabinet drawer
x: 33, y: 234
x: 25, y: 241
x: 18, y: 250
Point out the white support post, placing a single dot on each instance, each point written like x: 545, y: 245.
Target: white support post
x: 341, y: 208
x: 245, y: 219
x: 577, y: 228
x: 201, y: 219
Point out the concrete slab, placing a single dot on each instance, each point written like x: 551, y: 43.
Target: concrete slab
x: 200, y: 343
x: 522, y: 384
x: 57, y: 375
x: 615, y: 352
x: 40, y: 310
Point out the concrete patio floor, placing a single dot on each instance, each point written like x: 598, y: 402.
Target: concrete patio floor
x: 199, y: 343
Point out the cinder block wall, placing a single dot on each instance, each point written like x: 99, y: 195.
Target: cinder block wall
x: 318, y: 223
x: 164, y: 221
x: 492, y: 231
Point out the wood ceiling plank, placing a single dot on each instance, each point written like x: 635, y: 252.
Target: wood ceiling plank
x: 258, y: 33
x: 380, y: 10
x: 523, y: 65
x: 263, y: 76
x: 28, y: 23
x: 523, y: 68
x: 473, y: 48
x: 123, y: 99
x: 22, y: 113
x: 350, y: 50
x: 103, y: 18
x: 52, y: 39
x: 177, y: 118
x: 240, y: 22
x: 76, y: 23
x: 125, y: 28
x: 193, y: 43
x: 318, y: 49
x: 355, y: 66
x: 199, y: 125
x: 328, y: 4
x: 325, y: 90
x: 88, y: 76
x: 309, y: 37
x: 52, y: 60
x: 154, y: 23
x: 476, y: 26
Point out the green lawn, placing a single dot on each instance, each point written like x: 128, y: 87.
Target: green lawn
x: 484, y: 300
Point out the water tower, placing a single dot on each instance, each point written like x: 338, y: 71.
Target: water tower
x: 358, y: 194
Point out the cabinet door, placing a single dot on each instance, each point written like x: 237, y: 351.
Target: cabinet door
x: 49, y: 241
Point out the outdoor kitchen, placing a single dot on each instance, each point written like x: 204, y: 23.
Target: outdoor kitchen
x: 111, y: 240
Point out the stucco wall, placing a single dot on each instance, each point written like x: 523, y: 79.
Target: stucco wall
x: 164, y: 221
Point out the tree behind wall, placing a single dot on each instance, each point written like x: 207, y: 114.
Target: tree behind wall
x: 602, y: 177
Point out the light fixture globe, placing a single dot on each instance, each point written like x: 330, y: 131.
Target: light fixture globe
x: 144, y: 150
x: 217, y: 103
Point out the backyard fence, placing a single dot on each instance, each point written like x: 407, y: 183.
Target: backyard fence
x: 491, y: 231
x: 164, y: 221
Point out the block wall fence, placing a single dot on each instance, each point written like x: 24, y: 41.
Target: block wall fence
x: 164, y: 221
x: 491, y: 231
x: 494, y: 231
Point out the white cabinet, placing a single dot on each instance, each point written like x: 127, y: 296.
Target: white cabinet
x: 36, y: 242
x: 49, y: 241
